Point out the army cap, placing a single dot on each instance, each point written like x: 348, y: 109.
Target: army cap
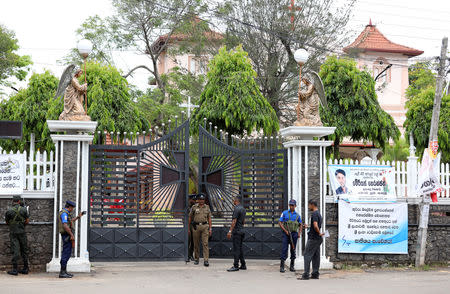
x: 17, y: 198
x: 70, y: 203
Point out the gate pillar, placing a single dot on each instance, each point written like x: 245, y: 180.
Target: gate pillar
x: 72, y: 139
x: 307, y: 173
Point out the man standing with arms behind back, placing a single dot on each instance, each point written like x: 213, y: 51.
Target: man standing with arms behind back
x: 237, y: 235
x: 17, y: 218
x: 312, y: 250
x: 200, y: 221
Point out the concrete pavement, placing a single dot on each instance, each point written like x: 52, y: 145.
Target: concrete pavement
x: 261, y: 277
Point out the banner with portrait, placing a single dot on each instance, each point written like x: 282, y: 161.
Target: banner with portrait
x: 362, y: 183
x: 12, y: 174
x: 373, y: 228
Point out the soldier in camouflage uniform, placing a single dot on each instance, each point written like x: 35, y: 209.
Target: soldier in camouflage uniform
x: 17, y: 218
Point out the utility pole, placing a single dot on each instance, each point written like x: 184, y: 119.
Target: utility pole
x: 425, y: 204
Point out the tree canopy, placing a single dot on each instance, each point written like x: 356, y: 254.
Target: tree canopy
x: 353, y: 107
x: 109, y: 103
x: 231, y: 99
x: 420, y: 99
x: 11, y: 64
x: 271, y: 32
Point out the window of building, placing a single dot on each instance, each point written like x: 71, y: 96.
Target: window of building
x: 198, y: 65
x: 378, y: 66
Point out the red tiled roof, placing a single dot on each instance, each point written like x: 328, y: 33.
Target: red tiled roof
x: 371, y: 39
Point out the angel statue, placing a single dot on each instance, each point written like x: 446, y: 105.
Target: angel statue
x: 308, y: 102
x: 74, y: 95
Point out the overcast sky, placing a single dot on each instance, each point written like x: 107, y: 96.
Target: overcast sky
x: 46, y: 28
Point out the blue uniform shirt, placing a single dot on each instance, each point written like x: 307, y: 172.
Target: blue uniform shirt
x: 287, y: 215
x: 64, y: 216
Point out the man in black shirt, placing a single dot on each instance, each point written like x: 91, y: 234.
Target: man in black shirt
x: 312, y: 250
x: 236, y: 232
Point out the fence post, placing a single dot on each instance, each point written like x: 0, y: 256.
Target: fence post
x: 411, y: 178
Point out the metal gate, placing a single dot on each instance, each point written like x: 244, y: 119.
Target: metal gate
x: 256, y: 169
x: 138, y: 196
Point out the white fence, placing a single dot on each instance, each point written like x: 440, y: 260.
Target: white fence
x: 39, y: 170
x: 403, y: 187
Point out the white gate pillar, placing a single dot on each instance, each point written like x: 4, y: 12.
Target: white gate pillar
x: 307, y: 172
x: 72, y: 139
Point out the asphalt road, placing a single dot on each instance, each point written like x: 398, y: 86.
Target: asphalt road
x: 261, y: 277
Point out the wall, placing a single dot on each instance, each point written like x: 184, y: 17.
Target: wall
x: 39, y: 233
x: 438, y: 241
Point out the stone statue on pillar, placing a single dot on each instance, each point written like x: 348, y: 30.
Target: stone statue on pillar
x: 308, y: 102
x: 74, y: 95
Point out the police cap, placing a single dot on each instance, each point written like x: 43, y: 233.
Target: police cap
x: 70, y: 203
x: 201, y: 196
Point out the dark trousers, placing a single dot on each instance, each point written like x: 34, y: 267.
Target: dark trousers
x: 287, y: 244
x: 312, y: 254
x: 191, y: 243
x: 238, y: 252
x: 66, y: 251
x: 19, y: 247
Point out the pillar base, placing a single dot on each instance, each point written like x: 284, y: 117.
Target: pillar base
x: 325, y: 263
x: 75, y: 264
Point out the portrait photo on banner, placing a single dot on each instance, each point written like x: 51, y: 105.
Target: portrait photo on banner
x: 362, y: 183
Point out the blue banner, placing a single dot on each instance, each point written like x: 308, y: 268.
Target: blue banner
x: 373, y: 228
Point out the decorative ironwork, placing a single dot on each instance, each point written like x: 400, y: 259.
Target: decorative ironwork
x: 138, y: 196
x: 254, y: 170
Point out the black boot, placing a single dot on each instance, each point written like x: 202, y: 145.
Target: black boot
x: 25, y: 269
x: 63, y: 273
x: 282, y: 267
x: 14, y: 271
x: 292, y: 266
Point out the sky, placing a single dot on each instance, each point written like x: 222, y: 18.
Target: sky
x: 46, y: 28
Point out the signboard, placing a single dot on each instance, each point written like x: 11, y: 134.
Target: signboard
x: 363, y: 183
x: 428, y: 179
x: 12, y: 174
x: 10, y: 129
x: 373, y: 228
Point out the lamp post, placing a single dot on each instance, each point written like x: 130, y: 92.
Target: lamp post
x: 84, y: 48
x: 300, y: 56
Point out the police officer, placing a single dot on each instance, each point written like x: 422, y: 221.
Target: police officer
x: 65, y: 226
x: 192, y: 200
x: 200, y: 219
x: 291, y: 224
x: 17, y: 218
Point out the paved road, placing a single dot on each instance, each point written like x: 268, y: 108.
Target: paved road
x: 261, y: 277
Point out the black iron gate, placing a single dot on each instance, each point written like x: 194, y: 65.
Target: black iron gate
x: 138, y: 196
x: 256, y: 170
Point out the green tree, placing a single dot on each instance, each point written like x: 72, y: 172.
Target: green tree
x: 418, y: 121
x: 231, y: 99
x: 179, y: 85
x: 397, y: 152
x: 353, y: 107
x: 270, y: 32
x: 109, y: 103
x: 11, y: 64
x: 30, y: 106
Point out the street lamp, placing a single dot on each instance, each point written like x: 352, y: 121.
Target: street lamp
x: 300, y: 56
x: 84, y: 48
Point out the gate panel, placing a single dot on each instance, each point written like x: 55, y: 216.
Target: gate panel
x: 138, y: 197
x: 254, y: 169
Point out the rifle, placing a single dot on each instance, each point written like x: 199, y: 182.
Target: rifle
x: 290, y: 237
